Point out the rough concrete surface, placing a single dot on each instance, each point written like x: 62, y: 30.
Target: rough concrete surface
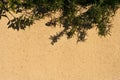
x: 28, y: 55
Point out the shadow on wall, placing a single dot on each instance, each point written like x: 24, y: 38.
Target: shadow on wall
x: 74, y: 23
x: 70, y: 27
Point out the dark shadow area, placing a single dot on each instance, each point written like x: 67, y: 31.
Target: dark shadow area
x: 79, y: 26
x: 20, y: 23
x: 99, y: 14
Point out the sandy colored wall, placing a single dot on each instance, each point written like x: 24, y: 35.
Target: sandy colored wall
x: 28, y: 55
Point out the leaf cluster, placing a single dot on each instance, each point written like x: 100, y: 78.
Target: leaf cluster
x: 74, y: 20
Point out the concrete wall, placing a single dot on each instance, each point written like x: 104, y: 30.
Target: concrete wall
x: 28, y: 55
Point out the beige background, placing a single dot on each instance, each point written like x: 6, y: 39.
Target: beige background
x: 28, y: 55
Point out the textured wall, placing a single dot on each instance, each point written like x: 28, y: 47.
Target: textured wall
x: 28, y: 55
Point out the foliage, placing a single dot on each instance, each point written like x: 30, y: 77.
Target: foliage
x: 75, y: 22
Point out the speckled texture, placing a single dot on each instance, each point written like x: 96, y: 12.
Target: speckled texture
x: 28, y: 55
